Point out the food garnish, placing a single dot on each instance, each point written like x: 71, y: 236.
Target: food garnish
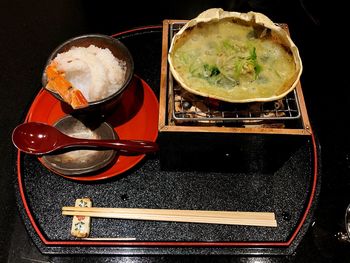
x: 59, y: 84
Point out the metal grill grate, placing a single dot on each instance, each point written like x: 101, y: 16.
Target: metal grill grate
x: 187, y: 107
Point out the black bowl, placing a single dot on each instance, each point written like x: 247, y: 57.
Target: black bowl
x: 118, y: 49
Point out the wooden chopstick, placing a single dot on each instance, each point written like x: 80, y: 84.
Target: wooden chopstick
x: 193, y: 216
x: 191, y: 219
x: 109, y: 238
x: 236, y: 214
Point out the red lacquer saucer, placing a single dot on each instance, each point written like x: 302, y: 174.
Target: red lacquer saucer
x: 135, y: 118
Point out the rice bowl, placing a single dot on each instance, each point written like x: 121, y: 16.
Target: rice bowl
x: 98, y: 66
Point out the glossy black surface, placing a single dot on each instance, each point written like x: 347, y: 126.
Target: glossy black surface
x: 146, y: 186
x: 31, y: 29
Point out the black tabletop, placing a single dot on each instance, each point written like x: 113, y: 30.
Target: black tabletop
x: 31, y: 29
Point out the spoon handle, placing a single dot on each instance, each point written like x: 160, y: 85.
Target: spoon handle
x: 127, y: 146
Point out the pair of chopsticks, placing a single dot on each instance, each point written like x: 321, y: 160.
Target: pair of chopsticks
x: 191, y: 216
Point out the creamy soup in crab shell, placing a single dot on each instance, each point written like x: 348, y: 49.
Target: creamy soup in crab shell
x: 228, y: 60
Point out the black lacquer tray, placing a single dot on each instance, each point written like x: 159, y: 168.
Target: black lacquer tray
x: 289, y: 188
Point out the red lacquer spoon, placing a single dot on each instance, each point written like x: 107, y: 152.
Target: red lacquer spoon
x: 39, y: 138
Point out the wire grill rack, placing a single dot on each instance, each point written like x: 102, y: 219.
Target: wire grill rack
x: 187, y: 107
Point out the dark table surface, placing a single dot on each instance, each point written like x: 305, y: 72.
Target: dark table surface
x: 31, y: 29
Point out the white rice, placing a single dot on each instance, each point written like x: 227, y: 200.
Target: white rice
x: 92, y: 70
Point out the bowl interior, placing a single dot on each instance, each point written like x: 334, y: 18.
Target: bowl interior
x: 118, y: 49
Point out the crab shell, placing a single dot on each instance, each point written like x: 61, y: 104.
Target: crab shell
x: 251, y: 18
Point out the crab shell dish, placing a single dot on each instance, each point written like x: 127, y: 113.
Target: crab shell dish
x: 234, y: 57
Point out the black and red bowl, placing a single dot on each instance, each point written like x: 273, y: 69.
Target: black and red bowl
x: 118, y: 49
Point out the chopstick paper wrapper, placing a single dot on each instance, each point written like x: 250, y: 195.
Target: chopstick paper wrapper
x: 266, y: 219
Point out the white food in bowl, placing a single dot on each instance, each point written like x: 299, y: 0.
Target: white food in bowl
x: 92, y: 70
